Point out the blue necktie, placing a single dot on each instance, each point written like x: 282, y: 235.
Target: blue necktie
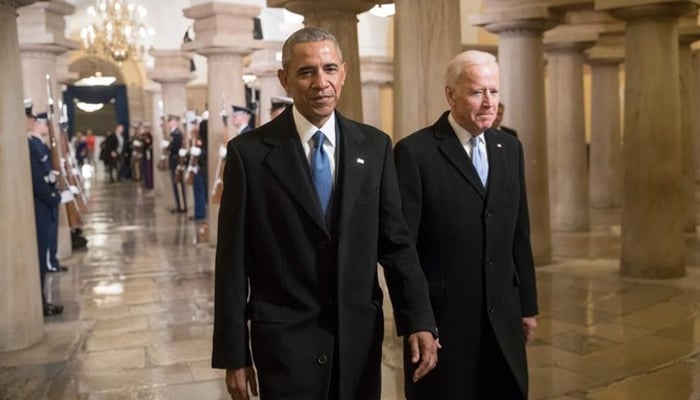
x: 479, y: 161
x: 321, y: 171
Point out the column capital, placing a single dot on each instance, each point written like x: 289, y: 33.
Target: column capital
x: 688, y: 30
x: 266, y: 60
x: 377, y: 69
x: 222, y: 27
x: 314, y: 7
x: 171, y: 66
x: 634, y: 9
x: 43, y: 23
x: 610, y: 49
x: 517, y: 19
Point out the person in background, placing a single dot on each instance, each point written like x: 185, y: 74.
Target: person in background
x: 499, y: 118
x: 179, y: 192
x: 240, y: 119
x: 279, y: 104
x: 310, y: 205
x: 81, y: 149
x: 464, y: 200
x: 90, y: 142
x: 46, y: 196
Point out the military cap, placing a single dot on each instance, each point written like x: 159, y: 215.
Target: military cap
x: 277, y: 102
x: 239, y: 109
x: 28, y: 105
x: 173, y: 117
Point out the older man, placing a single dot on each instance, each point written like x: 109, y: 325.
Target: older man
x: 463, y: 192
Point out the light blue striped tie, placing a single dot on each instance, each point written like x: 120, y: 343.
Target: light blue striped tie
x: 321, y: 171
x: 479, y: 161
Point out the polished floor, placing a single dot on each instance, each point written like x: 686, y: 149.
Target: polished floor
x: 138, y: 318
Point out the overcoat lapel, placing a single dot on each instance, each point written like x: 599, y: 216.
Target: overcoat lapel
x: 452, y: 149
x: 287, y: 162
x: 353, y: 167
x: 497, y: 161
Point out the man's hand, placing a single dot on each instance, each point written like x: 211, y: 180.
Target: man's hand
x: 529, y: 326
x: 237, y: 381
x: 424, y: 350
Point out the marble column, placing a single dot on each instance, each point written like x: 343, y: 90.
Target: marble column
x: 605, y: 160
x: 520, y: 54
x: 41, y: 28
x: 172, y: 71
x: 653, y: 244
x: 696, y: 108
x: 264, y: 65
x: 223, y: 34
x: 20, y: 295
x: 688, y: 33
x: 340, y: 18
x: 566, y: 136
x: 427, y: 35
x: 376, y: 72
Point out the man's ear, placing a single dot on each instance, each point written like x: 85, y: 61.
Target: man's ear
x: 282, y: 76
x: 344, y: 71
x: 449, y: 96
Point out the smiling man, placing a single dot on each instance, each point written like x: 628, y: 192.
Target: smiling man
x: 310, y: 205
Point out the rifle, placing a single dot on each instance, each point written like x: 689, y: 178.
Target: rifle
x: 70, y: 166
x: 218, y: 186
x: 74, y: 218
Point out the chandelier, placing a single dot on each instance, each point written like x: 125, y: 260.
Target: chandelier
x: 119, y: 31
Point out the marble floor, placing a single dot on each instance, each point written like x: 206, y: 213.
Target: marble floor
x: 138, y: 317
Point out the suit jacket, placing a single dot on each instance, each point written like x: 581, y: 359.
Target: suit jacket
x: 474, y: 247
x: 311, y: 294
x: 508, y: 130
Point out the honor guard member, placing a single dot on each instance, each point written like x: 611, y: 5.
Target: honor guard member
x: 279, y: 104
x: 173, y: 162
x: 240, y: 119
x: 46, y: 195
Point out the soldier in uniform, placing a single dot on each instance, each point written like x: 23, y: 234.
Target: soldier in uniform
x: 173, y: 162
x: 240, y: 119
x: 46, y: 196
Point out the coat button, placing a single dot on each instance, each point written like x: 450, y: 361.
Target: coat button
x: 322, y: 359
x: 491, y: 310
x: 489, y: 262
x: 322, y: 244
x: 488, y: 214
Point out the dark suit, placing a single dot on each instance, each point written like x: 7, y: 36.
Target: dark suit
x: 474, y: 248
x: 173, y: 161
x: 46, y: 201
x: 508, y: 130
x: 315, y: 304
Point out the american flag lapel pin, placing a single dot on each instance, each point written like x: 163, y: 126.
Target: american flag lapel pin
x: 498, y: 145
x: 360, y: 160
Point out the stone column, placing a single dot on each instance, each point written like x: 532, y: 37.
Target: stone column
x: 41, y: 29
x: 20, y: 296
x: 606, y: 140
x: 172, y: 71
x: 376, y: 72
x: 653, y: 196
x: 689, y: 32
x: 264, y: 65
x: 427, y: 35
x: 340, y: 18
x: 696, y: 109
x: 566, y: 147
x: 223, y: 34
x: 520, y: 54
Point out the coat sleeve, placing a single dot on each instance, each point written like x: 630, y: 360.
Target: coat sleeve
x: 408, y: 287
x: 230, y: 341
x: 522, y: 248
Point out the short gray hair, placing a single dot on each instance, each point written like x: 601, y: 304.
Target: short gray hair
x: 465, y: 60
x: 310, y: 34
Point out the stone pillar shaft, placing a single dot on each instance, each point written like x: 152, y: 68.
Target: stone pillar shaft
x: 520, y: 56
x: 427, y: 36
x: 653, y: 197
x: 687, y: 123
x: 20, y: 298
x: 696, y: 109
x: 606, y: 145
x: 567, y: 140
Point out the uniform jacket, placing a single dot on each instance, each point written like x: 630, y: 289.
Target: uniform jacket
x: 313, y: 292
x: 174, y: 148
x: 474, y: 245
x: 46, y: 197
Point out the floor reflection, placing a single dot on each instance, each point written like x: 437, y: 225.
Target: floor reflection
x: 138, y: 317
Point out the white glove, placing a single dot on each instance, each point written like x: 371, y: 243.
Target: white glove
x: 52, y: 176
x: 74, y: 189
x: 195, y: 151
x: 182, y: 152
x: 137, y: 143
x: 164, y: 144
x: 75, y: 170
x: 222, y: 152
x: 66, y: 196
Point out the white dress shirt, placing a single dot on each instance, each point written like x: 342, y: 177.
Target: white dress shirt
x: 306, y: 132
x: 464, y: 137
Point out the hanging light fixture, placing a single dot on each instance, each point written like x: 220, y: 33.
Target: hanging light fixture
x: 119, y: 31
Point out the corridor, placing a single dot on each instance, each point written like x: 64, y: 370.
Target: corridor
x: 138, y: 317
